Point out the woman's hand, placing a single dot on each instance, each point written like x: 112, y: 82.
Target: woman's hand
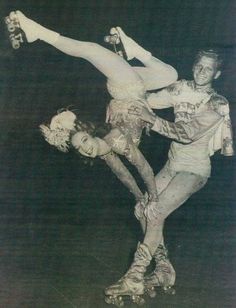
x: 143, y: 112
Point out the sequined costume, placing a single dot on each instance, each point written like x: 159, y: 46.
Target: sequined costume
x: 127, y: 130
x: 126, y: 96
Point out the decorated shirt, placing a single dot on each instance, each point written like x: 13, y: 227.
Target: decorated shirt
x: 199, y: 113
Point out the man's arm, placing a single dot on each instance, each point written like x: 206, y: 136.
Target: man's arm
x: 188, y: 132
x: 181, y: 131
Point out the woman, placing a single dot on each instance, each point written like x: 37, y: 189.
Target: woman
x: 66, y: 130
x: 127, y: 85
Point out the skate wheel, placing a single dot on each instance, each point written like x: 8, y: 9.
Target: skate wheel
x: 120, y: 53
x: 138, y: 300
x: 15, y: 44
x: 7, y: 20
x: 151, y: 292
x: 111, y: 39
x: 169, y: 290
x: 112, y: 300
x: 11, y: 27
x: 16, y: 40
x: 107, y: 39
x: 13, y: 16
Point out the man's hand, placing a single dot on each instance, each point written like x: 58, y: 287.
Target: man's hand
x: 143, y: 112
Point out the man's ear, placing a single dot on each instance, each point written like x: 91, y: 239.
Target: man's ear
x: 217, y: 75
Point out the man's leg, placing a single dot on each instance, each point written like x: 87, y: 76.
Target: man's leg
x: 132, y: 283
x: 162, y: 180
x: 180, y: 188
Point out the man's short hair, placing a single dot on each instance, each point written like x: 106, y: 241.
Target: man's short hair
x: 210, y: 53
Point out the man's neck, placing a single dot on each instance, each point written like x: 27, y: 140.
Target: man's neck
x: 202, y: 88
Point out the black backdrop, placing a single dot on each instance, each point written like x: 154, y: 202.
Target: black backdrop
x: 40, y: 184
x: 37, y: 79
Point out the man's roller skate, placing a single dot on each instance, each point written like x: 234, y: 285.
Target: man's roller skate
x: 131, y: 285
x: 16, y: 34
x: 163, y: 276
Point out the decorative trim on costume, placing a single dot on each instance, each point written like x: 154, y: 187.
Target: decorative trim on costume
x: 58, y: 137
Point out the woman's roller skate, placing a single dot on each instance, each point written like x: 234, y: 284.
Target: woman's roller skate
x: 163, y: 276
x: 16, y: 34
x: 23, y: 29
x: 126, y: 46
x: 131, y: 284
x: 115, y: 40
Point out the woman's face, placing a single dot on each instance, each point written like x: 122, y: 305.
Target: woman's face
x: 85, y: 144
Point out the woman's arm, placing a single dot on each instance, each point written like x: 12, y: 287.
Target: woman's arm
x: 136, y: 158
x: 123, y: 174
x: 123, y: 145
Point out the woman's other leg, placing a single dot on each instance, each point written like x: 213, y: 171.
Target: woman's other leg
x: 156, y: 74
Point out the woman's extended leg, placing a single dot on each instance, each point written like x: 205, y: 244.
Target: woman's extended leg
x: 107, y: 62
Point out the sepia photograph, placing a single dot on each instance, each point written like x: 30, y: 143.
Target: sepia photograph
x: 117, y: 174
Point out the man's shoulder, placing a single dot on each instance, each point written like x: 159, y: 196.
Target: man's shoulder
x: 219, y: 104
x: 219, y: 99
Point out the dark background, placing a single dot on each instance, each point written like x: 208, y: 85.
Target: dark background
x: 67, y: 229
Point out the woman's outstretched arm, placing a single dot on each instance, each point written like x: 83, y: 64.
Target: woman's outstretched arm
x: 123, y: 174
x: 136, y: 158
x: 124, y: 145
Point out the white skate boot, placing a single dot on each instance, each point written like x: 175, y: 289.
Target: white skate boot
x: 163, y: 276
x: 23, y: 29
x: 115, y: 41
x: 16, y: 34
x: 125, y: 46
x: 131, y: 284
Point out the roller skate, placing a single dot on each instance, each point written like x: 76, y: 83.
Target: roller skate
x: 163, y: 276
x: 116, y: 42
x: 126, y: 46
x: 16, y: 34
x: 22, y: 30
x: 131, y: 285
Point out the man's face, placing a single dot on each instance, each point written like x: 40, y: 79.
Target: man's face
x: 205, y: 70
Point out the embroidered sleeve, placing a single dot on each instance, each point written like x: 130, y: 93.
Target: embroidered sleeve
x: 219, y: 104
x: 191, y: 131
x: 123, y: 174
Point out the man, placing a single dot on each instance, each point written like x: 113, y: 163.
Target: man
x: 202, y: 126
